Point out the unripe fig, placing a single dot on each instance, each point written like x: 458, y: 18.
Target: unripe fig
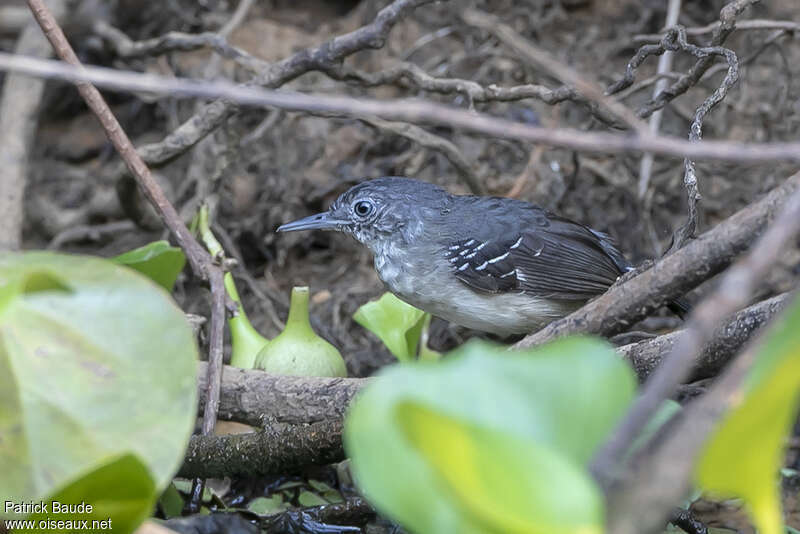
x: 298, y: 350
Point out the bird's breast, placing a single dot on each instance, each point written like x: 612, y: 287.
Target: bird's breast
x: 429, y: 284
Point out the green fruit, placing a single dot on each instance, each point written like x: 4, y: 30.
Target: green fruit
x: 298, y: 350
x: 246, y: 341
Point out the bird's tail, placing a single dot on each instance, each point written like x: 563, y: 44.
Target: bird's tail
x: 679, y: 307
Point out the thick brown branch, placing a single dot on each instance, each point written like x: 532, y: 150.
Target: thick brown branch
x: 276, y: 449
x: 251, y: 396
x: 726, y: 341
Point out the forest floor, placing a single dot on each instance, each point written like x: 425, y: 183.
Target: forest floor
x: 265, y: 168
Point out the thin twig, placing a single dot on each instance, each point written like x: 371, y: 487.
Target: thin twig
x: 727, y: 17
x: 752, y: 24
x: 687, y: 231
x: 124, y: 47
x: 409, y: 110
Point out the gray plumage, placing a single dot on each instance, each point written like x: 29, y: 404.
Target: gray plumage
x: 493, y: 264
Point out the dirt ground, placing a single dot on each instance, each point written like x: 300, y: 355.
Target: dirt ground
x: 264, y: 168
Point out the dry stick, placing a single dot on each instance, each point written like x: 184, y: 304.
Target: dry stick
x: 202, y: 264
x: 19, y: 104
x: 409, y: 110
x: 664, y: 65
x: 734, y: 290
x: 194, y: 252
x: 672, y: 276
x: 589, y: 89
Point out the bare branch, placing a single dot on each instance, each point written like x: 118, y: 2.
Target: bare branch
x: 413, y: 77
x: 727, y: 16
x: 371, y: 36
x: 201, y: 262
x: 688, y: 230
x: 250, y: 396
x: 414, y: 111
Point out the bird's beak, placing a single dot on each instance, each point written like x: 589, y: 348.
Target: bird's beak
x: 320, y: 221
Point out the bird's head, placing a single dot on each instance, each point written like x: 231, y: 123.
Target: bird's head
x: 379, y: 211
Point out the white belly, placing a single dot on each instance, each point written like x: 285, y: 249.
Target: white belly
x: 502, y: 313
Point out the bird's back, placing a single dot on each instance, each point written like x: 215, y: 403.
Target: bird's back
x: 512, y: 245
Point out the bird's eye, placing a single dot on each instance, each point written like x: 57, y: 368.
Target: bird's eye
x: 363, y: 208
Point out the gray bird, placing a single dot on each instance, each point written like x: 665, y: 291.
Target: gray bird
x: 493, y: 264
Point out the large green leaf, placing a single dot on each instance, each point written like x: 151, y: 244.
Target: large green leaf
x: 96, y: 362
x: 745, y: 453
x: 490, y: 440
x: 116, y: 496
x: 398, y: 324
x: 158, y: 261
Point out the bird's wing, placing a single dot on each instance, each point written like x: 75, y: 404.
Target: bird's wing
x: 553, y: 257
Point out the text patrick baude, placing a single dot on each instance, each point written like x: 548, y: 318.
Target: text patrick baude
x: 50, y: 508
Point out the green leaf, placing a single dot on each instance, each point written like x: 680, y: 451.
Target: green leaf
x: 396, y: 323
x: 158, y: 261
x: 489, y: 440
x: 307, y: 498
x: 486, y: 470
x: 171, y: 502
x: 120, y: 495
x: 745, y: 453
x: 90, y: 374
x: 267, y: 505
